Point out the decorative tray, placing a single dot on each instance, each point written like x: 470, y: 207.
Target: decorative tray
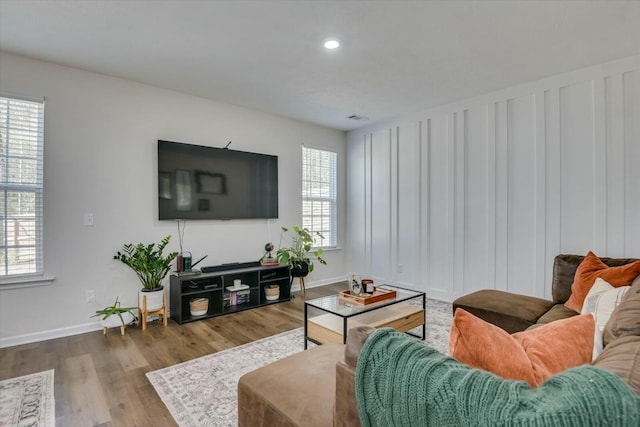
x: 364, y: 298
x: 237, y: 288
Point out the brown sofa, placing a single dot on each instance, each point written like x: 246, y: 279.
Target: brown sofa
x: 515, y: 313
x: 317, y: 387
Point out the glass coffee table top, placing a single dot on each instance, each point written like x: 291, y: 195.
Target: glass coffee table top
x: 344, y: 308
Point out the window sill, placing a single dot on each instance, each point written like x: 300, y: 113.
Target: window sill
x: 26, y: 282
x: 330, y: 249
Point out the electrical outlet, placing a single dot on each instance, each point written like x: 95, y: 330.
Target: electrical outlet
x: 400, y: 269
x: 91, y: 297
x: 88, y: 219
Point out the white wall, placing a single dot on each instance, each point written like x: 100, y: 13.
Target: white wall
x: 483, y: 193
x: 100, y: 157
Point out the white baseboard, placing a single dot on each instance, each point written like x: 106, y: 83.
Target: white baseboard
x: 95, y: 326
x: 295, y: 286
x: 50, y: 334
x: 58, y: 333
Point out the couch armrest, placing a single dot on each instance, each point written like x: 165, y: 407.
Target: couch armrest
x: 345, y: 410
x: 355, y: 340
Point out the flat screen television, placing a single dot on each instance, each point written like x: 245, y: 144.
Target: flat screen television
x: 198, y: 182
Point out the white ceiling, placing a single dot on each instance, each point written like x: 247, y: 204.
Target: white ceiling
x: 396, y: 57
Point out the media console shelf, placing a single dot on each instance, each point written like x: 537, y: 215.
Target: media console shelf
x: 214, y: 286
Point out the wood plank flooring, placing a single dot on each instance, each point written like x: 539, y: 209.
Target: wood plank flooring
x: 100, y: 380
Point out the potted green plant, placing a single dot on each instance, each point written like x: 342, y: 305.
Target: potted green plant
x: 299, y: 256
x: 151, y: 266
x: 125, y: 316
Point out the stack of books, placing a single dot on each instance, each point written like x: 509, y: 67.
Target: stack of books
x: 237, y: 298
x: 242, y: 297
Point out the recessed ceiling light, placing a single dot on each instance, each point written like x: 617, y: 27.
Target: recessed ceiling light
x: 331, y: 44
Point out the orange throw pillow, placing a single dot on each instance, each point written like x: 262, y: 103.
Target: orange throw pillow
x: 532, y: 356
x: 590, y: 269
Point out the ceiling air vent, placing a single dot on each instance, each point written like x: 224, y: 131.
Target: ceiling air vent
x: 357, y: 117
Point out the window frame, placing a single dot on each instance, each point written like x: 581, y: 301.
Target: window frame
x: 36, y: 277
x: 331, y: 239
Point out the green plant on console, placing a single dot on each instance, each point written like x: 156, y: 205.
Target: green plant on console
x: 299, y: 252
x: 115, y: 309
x: 148, y: 262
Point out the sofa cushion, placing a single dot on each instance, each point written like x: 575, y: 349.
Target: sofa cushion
x: 622, y: 357
x: 625, y: 319
x: 591, y: 268
x: 602, y: 300
x: 557, y: 312
x: 564, y: 270
x: 511, y: 312
x: 532, y: 356
x: 355, y: 340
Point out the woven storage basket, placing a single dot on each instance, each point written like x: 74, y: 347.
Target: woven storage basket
x: 272, y: 293
x: 199, y: 306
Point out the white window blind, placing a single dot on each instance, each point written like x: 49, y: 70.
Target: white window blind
x: 21, y: 186
x: 319, y: 195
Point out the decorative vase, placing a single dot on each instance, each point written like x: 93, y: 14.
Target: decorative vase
x: 356, y: 288
x: 154, y: 298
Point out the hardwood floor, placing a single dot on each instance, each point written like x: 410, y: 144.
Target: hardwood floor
x: 100, y: 380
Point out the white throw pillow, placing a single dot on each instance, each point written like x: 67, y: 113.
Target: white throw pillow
x: 601, y: 300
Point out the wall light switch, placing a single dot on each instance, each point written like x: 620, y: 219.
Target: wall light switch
x: 88, y: 219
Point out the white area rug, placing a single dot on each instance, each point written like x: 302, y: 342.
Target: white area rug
x: 28, y: 401
x: 203, y: 391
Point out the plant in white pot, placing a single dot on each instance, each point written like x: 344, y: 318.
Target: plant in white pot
x: 151, y: 266
x: 114, y: 315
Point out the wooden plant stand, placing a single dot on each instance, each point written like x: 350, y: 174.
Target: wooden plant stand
x: 122, y: 329
x: 161, y: 312
x: 301, y: 279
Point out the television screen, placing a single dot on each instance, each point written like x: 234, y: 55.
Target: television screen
x: 197, y: 182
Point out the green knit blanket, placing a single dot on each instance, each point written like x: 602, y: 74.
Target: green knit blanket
x: 402, y: 382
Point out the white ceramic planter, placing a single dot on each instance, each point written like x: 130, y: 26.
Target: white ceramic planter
x: 154, y: 299
x: 114, y: 320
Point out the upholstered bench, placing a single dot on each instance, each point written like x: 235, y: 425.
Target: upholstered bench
x: 296, y: 391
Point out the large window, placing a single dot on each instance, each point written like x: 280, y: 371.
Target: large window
x: 21, y: 184
x: 319, y: 195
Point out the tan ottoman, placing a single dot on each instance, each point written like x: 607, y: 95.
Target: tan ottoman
x: 298, y: 390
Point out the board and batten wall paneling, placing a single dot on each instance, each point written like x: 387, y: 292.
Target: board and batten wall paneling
x: 521, y: 191
x: 485, y: 192
x: 357, y: 213
x: 577, y: 170
x: 407, y: 198
x: 614, y: 134
x: 381, y: 206
x: 631, y: 95
x: 437, y: 259
x: 476, y: 169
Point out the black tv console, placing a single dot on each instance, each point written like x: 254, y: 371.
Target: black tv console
x: 214, y: 284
